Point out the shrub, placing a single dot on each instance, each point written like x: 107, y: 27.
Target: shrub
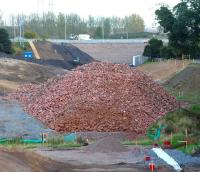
x: 5, y: 43
x: 81, y: 141
x: 153, y: 49
x: 166, y: 52
x: 30, y: 35
x: 55, y: 140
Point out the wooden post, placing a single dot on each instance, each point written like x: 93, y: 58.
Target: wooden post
x: 171, y: 137
x: 186, y: 137
x: 186, y: 133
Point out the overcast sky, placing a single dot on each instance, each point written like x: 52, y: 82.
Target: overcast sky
x: 145, y: 8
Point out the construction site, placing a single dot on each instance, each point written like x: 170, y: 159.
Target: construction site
x: 81, y: 107
x: 99, y: 86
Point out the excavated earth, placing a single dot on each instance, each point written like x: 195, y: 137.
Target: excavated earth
x: 30, y: 161
x: 97, y: 97
x: 15, y: 72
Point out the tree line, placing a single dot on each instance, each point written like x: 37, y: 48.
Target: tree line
x: 60, y: 26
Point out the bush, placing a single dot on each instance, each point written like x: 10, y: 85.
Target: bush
x: 56, y: 140
x: 153, y: 49
x: 81, y: 141
x: 5, y: 43
x: 166, y: 52
x: 30, y: 35
x: 169, y: 129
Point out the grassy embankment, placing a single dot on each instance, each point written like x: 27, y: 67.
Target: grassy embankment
x: 56, y: 142
x: 19, y: 49
x: 183, y: 124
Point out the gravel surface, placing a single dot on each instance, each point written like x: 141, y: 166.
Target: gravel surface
x: 106, y: 145
x: 181, y: 158
x: 97, y: 97
x: 14, y: 122
x: 98, y: 158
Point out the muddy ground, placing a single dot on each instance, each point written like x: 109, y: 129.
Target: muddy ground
x: 29, y: 161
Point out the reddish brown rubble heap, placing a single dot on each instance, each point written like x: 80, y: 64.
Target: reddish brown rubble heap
x: 97, y: 97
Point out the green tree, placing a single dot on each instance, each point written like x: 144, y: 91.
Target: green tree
x: 30, y: 35
x: 133, y: 23
x: 98, y: 33
x: 153, y: 49
x: 165, y: 18
x: 166, y: 52
x: 107, y: 27
x: 182, y: 26
x: 52, y: 25
x: 60, y: 24
x: 5, y: 43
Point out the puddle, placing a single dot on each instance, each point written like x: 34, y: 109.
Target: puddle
x: 14, y: 122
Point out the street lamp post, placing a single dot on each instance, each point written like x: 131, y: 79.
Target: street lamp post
x: 65, y: 27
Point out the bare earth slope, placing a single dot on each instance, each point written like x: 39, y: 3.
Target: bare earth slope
x: 29, y: 161
x: 186, y: 83
x: 15, y: 72
x: 164, y: 70
x: 61, y: 55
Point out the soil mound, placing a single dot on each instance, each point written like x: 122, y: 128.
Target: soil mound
x: 98, y: 97
x: 106, y: 145
x: 186, y: 83
x: 15, y: 72
x: 164, y: 70
x: 187, y: 80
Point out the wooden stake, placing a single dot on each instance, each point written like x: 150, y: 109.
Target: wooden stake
x: 186, y: 133
x: 171, y: 137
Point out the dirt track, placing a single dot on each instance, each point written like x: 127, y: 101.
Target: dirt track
x: 20, y: 161
x: 30, y: 161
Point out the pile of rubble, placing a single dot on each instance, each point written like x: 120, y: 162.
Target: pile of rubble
x: 106, y: 145
x: 97, y: 97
